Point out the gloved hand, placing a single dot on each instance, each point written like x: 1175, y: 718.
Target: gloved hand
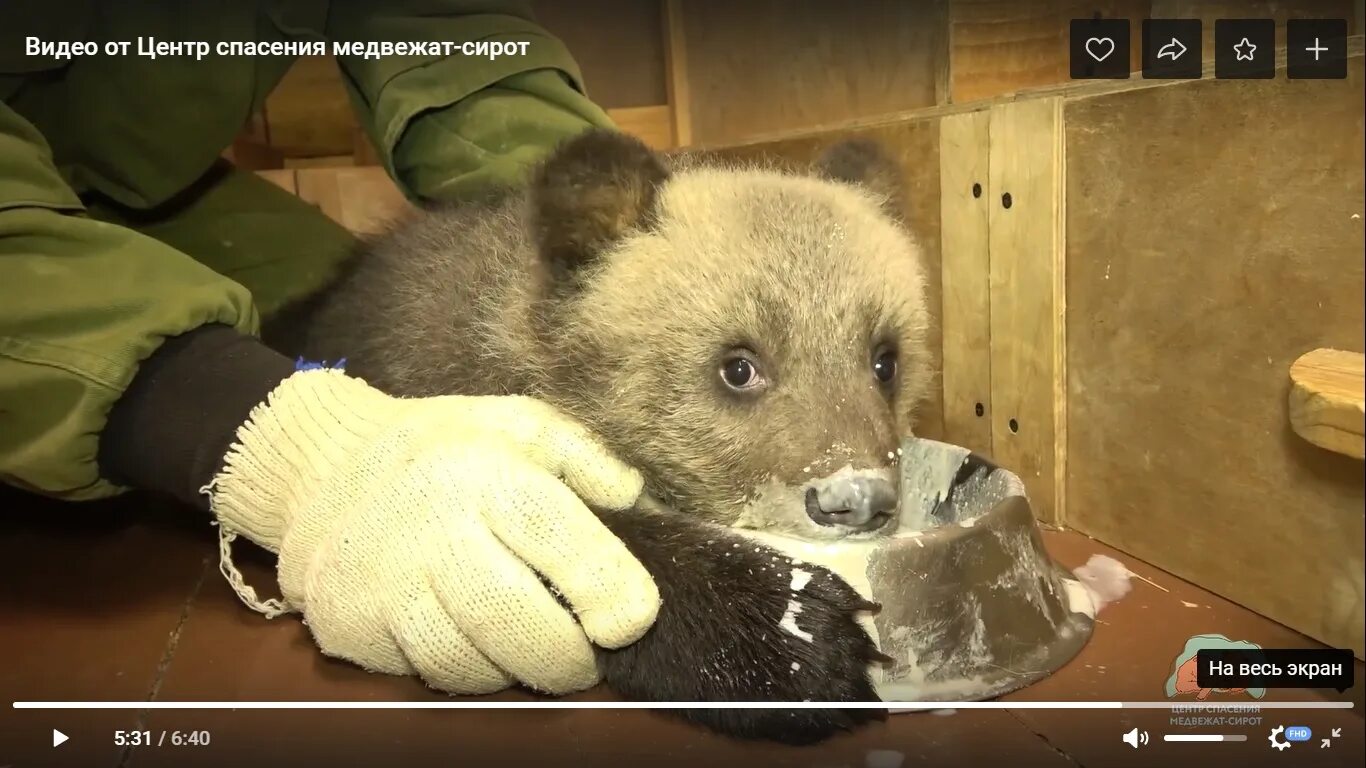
x: 410, y: 532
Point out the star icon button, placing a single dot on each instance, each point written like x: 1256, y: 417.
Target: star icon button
x: 1244, y: 48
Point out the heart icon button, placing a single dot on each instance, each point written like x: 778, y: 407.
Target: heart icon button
x: 1100, y: 48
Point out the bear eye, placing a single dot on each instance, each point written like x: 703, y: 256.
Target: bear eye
x: 884, y: 366
x: 740, y: 373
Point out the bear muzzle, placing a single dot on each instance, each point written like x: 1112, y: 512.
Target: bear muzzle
x: 853, y: 500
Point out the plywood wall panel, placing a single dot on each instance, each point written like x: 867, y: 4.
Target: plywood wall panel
x: 1000, y: 47
x: 1025, y: 276
x: 758, y: 67
x: 309, y: 114
x: 652, y: 125
x: 618, y: 44
x: 1214, y: 235
x: 364, y: 200
x: 964, y: 178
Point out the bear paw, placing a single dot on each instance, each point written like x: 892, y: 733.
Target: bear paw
x: 743, y: 622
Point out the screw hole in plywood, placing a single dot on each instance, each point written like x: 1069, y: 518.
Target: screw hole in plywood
x: 1014, y: 426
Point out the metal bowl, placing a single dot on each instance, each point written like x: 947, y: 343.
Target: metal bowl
x: 972, y: 605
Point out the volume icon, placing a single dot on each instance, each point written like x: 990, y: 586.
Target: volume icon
x: 1135, y: 737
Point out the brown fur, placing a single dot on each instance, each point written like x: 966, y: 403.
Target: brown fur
x: 615, y: 286
x: 595, y: 192
x: 810, y: 273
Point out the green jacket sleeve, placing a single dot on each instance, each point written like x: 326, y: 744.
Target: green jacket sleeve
x: 82, y: 303
x: 448, y: 127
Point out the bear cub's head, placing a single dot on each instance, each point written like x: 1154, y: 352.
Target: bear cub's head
x: 752, y: 339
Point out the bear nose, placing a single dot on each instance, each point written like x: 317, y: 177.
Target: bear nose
x: 859, y: 503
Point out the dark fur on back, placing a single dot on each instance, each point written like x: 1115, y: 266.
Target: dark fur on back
x: 595, y: 192
x: 613, y: 286
x: 862, y: 161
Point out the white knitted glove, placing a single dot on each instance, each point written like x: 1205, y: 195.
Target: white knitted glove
x: 410, y: 532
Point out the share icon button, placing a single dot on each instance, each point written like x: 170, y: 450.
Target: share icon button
x: 1171, y: 49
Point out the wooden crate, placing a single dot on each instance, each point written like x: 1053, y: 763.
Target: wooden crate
x: 1121, y: 335
x: 1211, y: 241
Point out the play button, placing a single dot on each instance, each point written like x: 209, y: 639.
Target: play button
x: 58, y: 738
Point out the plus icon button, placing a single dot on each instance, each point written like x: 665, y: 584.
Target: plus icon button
x: 1316, y: 48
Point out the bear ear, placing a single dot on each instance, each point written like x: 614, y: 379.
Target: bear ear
x: 864, y: 163
x: 590, y: 192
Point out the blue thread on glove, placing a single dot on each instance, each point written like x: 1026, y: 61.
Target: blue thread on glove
x: 306, y: 365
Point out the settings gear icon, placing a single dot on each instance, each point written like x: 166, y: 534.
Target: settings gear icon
x: 1275, y: 738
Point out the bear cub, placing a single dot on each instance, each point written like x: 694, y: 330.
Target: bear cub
x: 751, y: 338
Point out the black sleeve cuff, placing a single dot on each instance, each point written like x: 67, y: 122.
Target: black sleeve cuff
x: 173, y: 425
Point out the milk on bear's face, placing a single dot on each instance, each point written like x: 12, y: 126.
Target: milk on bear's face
x: 752, y: 340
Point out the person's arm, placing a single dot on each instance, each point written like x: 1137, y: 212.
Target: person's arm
x: 86, y: 309
x: 413, y: 535
x: 450, y: 128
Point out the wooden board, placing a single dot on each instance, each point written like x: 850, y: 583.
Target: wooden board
x: 309, y: 114
x: 1027, y: 303
x: 1214, y: 236
x: 761, y: 66
x: 966, y: 265
x: 1000, y: 47
x: 335, y: 161
x: 283, y: 179
x: 676, y: 72
x: 361, y: 199
x: 1326, y: 400
x: 652, y: 125
x: 617, y: 44
x: 916, y: 145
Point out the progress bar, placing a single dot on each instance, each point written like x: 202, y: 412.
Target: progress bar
x: 893, y: 706
x: 1204, y: 737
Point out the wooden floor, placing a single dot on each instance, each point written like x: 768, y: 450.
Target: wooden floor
x: 123, y: 601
